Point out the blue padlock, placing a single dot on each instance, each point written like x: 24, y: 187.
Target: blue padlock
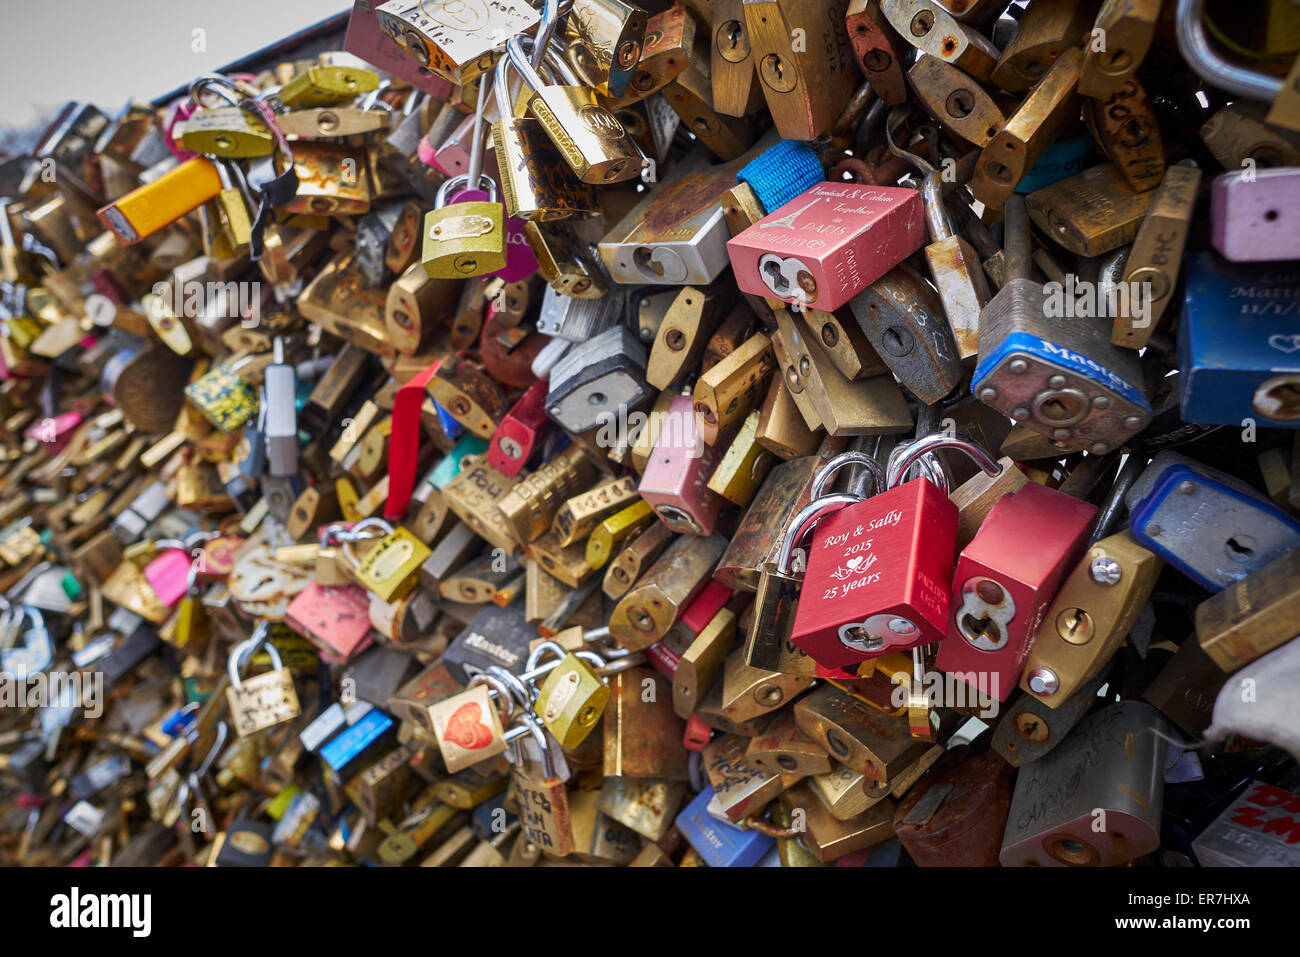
x: 1239, y: 342
x: 1211, y: 527
x: 721, y: 845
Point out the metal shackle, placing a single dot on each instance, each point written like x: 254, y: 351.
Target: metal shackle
x: 905, y: 456
x: 247, y: 649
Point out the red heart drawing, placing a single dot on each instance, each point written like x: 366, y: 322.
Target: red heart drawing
x: 465, y: 730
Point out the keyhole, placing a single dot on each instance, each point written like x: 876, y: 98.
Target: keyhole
x: 775, y: 74
x: 896, y: 341
x: 778, y: 280
x: 983, y: 627
x: 960, y: 103
x: 733, y: 41
x: 1240, y: 548
x: 922, y: 23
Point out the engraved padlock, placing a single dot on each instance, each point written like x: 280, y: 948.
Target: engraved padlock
x: 265, y: 700
x: 391, y: 568
x: 589, y: 137
x: 879, y: 571
x: 467, y: 238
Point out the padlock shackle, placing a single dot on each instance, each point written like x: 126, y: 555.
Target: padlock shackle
x: 905, y: 456
x: 937, y: 217
x: 1015, y: 238
x: 223, y: 86
x: 353, y: 534
x: 848, y: 458
x: 476, y: 142
x: 247, y: 649
x: 803, y: 523
x: 501, y: 90
x: 462, y: 179
x: 545, y: 30
x: 504, y: 699
x: 532, y: 724
x: 1194, y: 45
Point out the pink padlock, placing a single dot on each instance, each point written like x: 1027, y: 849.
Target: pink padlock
x: 676, y: 478
x: 169, y: 575
x: 1251, y: 215
x: 334, y: 618
x: 829, y: 243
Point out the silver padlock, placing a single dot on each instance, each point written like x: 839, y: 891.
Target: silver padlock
x: 597, y: 378
x: 281, y: 385
x: 578, y: 320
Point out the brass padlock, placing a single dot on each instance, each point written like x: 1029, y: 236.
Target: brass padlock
x: 390, y: 568
x: 228, y: 131
x: 571, y: 699
x: 535, y: 182
x: 602, y: 41
x: 266, y: 700
x: 588, y: 136
x: 464, y: 239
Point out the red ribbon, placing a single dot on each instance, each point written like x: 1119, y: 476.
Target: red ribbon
x: 404, y: 442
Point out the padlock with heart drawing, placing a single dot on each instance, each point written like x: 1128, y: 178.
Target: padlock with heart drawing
x: 879, y: 570
x: 468, y: 726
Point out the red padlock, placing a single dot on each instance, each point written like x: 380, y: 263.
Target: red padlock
x: 828, y: 243
x: 518, y: 434
x: 1006, y: 577
x: 880, y: 570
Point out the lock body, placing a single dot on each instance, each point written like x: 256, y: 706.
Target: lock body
x: 1063, y: 379
x: 1238, y: 354
x: 1213, y: 528
x: 676, y: 477
x: 827, y: 244
x: 1090, y: 617
x: 1113, y: 763
x: 878, y: 577
x: 596, y: 379
x: 1001, y: 588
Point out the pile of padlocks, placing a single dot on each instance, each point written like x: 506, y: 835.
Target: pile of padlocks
x: 736, y: 432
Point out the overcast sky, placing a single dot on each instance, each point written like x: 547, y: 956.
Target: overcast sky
x: 107, y: 51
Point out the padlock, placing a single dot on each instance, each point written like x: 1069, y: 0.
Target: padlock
x: 266, y: 700
x: 1043, y: 33
x: 785, y: 748
x: 626, y: 566
x: 902, y: 319
x: 147, y: 209
x: 1021, y: 143
x: 856, y: 735
x: 1213, y: 528
x: 1109, y: 812
x: 334, y: 618
x: 644, y: 614
x: 824, y: 398
x: 740, y: 790
x: 468, y: 725
x: 876, y: 48
x: 467, y: 239
x: 544, y: 809
x: 642, y: 733
x: 677, y: 234
x: 955, y: 269
x: 826, y: 245
x: 603, y: 42
x: 731, y: 388
x: 530, y: 506
x: 1129, y: 26
x: 936, y: 32
x: 588, y: 136
x: 1126, y: 128
x: 898, y: 602
x: 806, y: 85
x: 1156, y: 256
x: 956, y: 813
x: 718, y: 843
x: 391, y: 567
x: 568, y: 261
x: 451, y: 40
x: 1090, y: 617
x: 1245, y: 212
x: 690, y: 97
x: 675, y: 481
x: 956, y: 100
x: 1236, y: 358
x: 581, y: 513
x: 1250, y: 617
x: 571, y: 700
x: 1067, y: 382
x: 1000, y: 593
x: 595, y: 380
x: 228, y: 131
x: 1090, y: 213
x: 535, y: 183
